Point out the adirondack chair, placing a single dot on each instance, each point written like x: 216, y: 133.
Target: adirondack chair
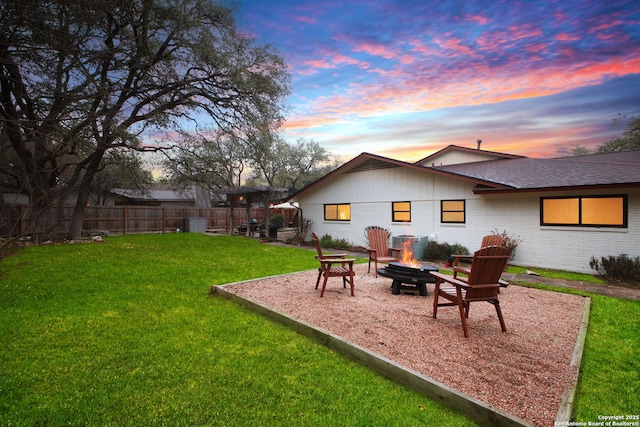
x: 333, y: 265
x: 482, y: 284
x: 490, y: 240
x: 379, y: 250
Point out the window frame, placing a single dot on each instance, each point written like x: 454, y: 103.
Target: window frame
x: 443, y: 211
x: 625, y: 211
x: 337, y: 206
x: 394, y: 211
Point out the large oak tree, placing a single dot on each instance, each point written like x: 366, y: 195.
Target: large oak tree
x: 81, y: 78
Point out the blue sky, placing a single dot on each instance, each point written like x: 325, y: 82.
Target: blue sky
x: 406, y: 78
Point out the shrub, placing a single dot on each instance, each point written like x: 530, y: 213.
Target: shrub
x: 299, y: 238
x: 442, y: 251
x: 510, y: 242
x: 621, y: 267
x: 277, y: 219
x: 327, y: 241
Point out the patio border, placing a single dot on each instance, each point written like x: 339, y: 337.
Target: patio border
x: 475, y: 409
x: 569, y: 395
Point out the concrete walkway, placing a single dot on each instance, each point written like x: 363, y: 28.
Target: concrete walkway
x: 600, y: 289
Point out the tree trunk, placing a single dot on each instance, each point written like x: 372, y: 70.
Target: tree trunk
x: 84, y: 191
x: 75, y: 228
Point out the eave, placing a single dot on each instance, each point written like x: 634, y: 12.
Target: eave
x: 506, y: 190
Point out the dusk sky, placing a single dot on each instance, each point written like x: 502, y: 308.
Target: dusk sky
x: 406, y: 78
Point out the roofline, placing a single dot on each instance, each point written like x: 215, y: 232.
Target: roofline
x: 507, y: 190
x: 339, y: 170
x: 453, y: 147
x: 400, y: 163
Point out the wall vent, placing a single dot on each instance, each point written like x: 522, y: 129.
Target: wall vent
x: 371, y: 165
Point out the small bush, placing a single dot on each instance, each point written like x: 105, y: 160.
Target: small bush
x: 621, y: 267
x: 277, y: 219
x: 442, y: 251
x: 327, y: 241
x: 510, y: 242
x: 299, y: 238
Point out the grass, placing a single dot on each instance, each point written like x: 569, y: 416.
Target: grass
x: 609, y: 382
x: 126, y: 333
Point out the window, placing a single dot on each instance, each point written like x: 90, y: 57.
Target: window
x: 452, y: 211
x: 340, y: 212
x: 584, y: 211
x: 401, y: 211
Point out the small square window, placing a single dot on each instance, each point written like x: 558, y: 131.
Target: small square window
x: 452, y: 211
x: 337, y: 212
x: 401, y: 211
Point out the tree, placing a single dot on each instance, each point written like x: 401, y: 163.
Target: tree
x: 120, y: 169
x: 580, y: 151
x: 629, y: 140
x: 308, y: 162
x: 212, y: 160
x: 291, y: 166
x: 79, y: 79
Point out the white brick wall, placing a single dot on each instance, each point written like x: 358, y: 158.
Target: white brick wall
x: 371, y: 193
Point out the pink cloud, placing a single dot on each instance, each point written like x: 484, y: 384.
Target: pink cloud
x: 407, y: 59
x: 376, y: 50
x: 535, y: 48
x: 455, y: 45
x: 605, y: 26
x: 463, y: 87
x: 524, y: 31
x: 306, y: 19
x: 420, y: 47
x: 319, y: 63
x: 565, y: 37
x: 478, y: 19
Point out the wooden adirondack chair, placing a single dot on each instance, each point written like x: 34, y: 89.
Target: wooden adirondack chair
x: 490, y: 240
x: 379, y: 250
x: 333, y: 265
x: 482, y: 284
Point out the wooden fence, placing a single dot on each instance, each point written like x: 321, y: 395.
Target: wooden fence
x: 143, y: 219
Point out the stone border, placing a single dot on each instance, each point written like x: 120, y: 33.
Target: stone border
x: 568, y: 397
x: 474, y: 409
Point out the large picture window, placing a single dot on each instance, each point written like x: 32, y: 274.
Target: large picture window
x: 401, y: 211
x: 584, y: 211
x: 338, y: 212
x: 452, y: 211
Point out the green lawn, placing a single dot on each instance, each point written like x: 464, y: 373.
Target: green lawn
x: 125, y: 332
x: 610, y: 372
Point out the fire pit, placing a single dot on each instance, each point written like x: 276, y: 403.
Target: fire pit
x: 415, y: 275
x: 409, y: 271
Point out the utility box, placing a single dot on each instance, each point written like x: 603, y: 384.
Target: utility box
x: 417, y: 244
x: 196, y: 225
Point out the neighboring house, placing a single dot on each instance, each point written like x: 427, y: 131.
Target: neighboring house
x: 565, y: 210
x: 164, y: 198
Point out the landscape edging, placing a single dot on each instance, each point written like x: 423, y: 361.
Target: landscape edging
x: 475, y: 409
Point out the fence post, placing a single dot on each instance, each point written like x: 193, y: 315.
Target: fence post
x: 125, y: 217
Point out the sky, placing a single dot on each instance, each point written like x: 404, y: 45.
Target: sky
x: 406, y: 78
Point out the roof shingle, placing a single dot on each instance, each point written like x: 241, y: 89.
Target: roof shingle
x: 529, y: 173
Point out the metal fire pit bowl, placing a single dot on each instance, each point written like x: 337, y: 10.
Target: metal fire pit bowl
x: 407, y: 277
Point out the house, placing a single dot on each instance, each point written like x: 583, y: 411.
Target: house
x: 566, y: 210
x: 164, y: 198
